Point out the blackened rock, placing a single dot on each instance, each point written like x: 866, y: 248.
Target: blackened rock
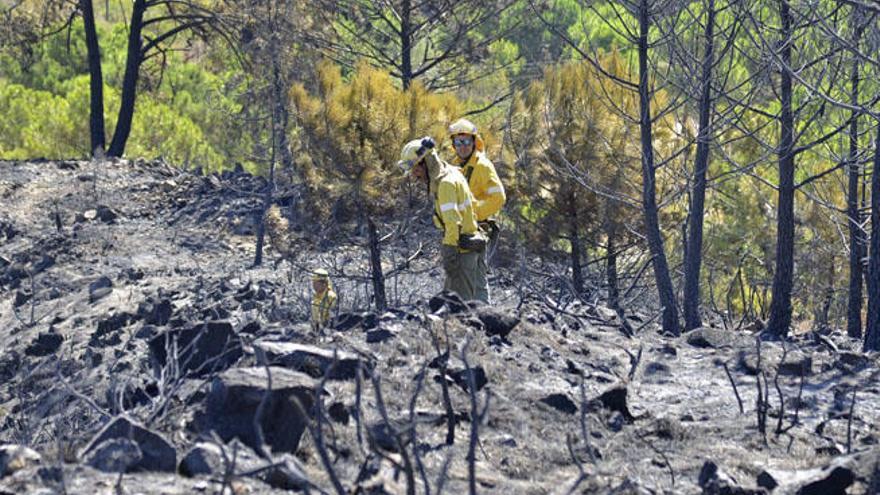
x: 7, y: 230
x: 15, y: 272
x: 312, y: 360
x: 852, y: 362
x: 370, y: 321
x: 616, y: 421
x: 496, y: 321
x: 21, y: 297
x: 203, y: 458
x: 215, y: 313
x: 832, y: 480
x: 202, y: 349
x: 146, y: 332
x: 450, y: 300
x: 9, y: 365
x: 712, y: 338
x: 157, y: 453
x: 45, y: 262
x: 100, y: 288
x: 99, y: 294
x: 237, y: 393
x: 348, y: 321
x: 51, y: 474
x: 614, y: 399
x: 339, y: 413
x: 116, y: 455
x: 45, y: 344
x: 714, y: 481
x: 657, y: 368
x: 106, y: 214
x: 766, y: 480
x: 156, y: 313
x: 130, y: 397
x: 285, y: 475
x: 107, y: 332
x: 114, y: 322
x: 462, y: 378
x: 383, y: 436
x: 560, y: 402
x: 796, y: 364
x: 379, y: 335
x: 251, y: 328
x: 439, y: 361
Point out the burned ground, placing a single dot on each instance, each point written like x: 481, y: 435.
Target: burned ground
x: 137, y: 345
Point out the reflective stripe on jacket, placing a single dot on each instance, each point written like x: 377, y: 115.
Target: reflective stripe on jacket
x: 484, y: 184
x: 454, y: 207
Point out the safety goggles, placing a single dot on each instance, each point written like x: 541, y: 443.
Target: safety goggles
x: 462, y: 141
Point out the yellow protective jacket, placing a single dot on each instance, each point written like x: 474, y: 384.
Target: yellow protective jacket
x: 322, y: 304
x: 484, y: 184
x: 453, y: 201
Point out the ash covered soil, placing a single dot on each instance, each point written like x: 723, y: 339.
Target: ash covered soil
x: 140, y: 352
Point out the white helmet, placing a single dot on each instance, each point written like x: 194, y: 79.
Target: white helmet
x: 465, y: 126
x: 414, y: 151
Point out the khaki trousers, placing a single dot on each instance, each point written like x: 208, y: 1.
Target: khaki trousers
x: 462, y: 271
x: 481, y: 280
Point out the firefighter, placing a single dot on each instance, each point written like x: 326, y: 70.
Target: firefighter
x: 453, y: 213
x: 323, y: 299
x: 484, y: 184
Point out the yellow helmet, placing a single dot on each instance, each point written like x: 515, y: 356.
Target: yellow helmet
x: 320, y: 274
x: 465, y: 126
x: 414, y: 151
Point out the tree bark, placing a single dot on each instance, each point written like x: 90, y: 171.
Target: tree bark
x: 611, y: 272
x: 694, y: 251
x: 376, y: 266
x: 133, y: 60
x: 270, y: 185
x: 783, y: 279
x: 577, y: 276
x: 649, y: 193
x: 96, y: 81
x: 406, y: 75
x: 872, y: 329
x: 854, y: 218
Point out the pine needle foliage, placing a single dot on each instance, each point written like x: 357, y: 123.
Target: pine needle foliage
x: 351, y: 132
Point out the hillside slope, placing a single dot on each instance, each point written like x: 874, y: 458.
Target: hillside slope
x: 135, y: 337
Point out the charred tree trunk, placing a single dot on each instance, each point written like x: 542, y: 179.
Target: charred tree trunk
x: 649, y: 193
x: 406, y: 74
x: 378, y: 276
x: 872, y: 329
x: 270, y: 185
x: 96, y: 81
x: 279, y: 86
x: 133, y: 60
x: 783, y: 279
x: 694, y: 251
x: 611, y: 272
x: 577, y: 276
x: 261, y: 219
x: 854, y: 218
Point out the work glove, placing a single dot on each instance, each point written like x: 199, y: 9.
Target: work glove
x: 475, y: 242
